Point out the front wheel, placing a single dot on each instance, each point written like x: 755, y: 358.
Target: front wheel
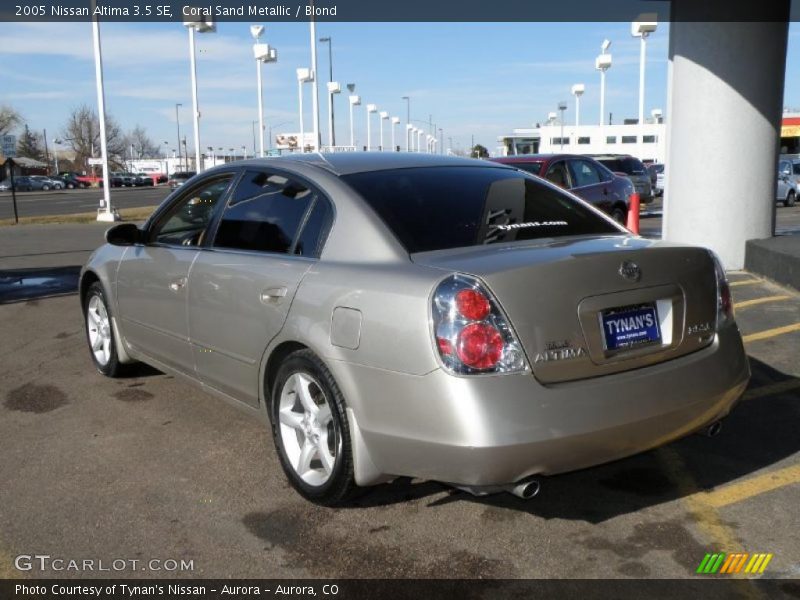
x: 310, y: 430
x: 791, y: 197
x: 618, y: 214
x: 45, y: 188
x: 100, y: 333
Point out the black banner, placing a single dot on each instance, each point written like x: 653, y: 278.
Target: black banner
x: 389, y: 11
x: 708, y: 588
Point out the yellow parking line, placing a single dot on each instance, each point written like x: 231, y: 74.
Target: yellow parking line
x: 762, y: 335
x: 703, y: 512
x: 742, y: 490
x: 771, y: 389
x: 746, y: 303
x: 744, y: 282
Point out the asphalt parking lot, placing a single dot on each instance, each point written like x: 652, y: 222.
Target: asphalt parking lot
x: 148, y: 467
x: 65, y: 202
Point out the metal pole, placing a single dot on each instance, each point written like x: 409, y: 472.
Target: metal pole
x: 46, y: 151
x: 260, y: 111
x: 602, y: 99
x: 178, y: 121
x: 369, y: 133
x: 381, y: 119
x: 394, y: 126
x: 314, y: 88
x: 641, y: 95
x: 352, y: 131
x: 302, y: 126
x: 577, y: 111
x: 408, y: 120
x: 105, y: 212
x: 10, y: 165
x: 254, y: 130
x: 330, y: 119
x: 198, y: 164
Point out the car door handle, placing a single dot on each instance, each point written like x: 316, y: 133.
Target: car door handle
x: 178, y: 284
x: 271, y: 294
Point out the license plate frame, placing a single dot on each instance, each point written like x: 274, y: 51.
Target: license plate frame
x: 630, y: 327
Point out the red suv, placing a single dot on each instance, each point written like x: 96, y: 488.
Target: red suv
x: 583, y: 176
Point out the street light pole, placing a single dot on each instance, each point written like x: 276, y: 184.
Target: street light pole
x: 577, y: 91
x: 562, y: 106
x: 199, y: 25
x: 332, y: 124
x: 642, y: 29
x: 354, y: 101
x: 263, y: 54
x: 408, y: 120
x: 603, y: 63
x: 395, y: 121
x: 333, y: 88
x: 178, y: 122
x: 371, y: 108
x: 314, y: 87
x: 105, y: 212
x: 303, y: 75
x: 383, y: 116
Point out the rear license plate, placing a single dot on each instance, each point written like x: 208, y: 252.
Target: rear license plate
x: 630, y: 326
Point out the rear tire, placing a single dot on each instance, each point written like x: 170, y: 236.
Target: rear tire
x: 619, y: 215
x: 45, y: 187
x: 100, y: 332
x: 311, y: 431
x: 791, y: 197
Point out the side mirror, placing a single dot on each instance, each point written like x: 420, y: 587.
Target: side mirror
x: 124, y: 234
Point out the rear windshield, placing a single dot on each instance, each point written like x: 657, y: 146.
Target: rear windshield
x: 436, y: 208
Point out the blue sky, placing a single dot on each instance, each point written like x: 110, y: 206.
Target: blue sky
x: 473, y: 78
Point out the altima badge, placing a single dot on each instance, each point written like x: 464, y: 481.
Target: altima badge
x: 630, y: 270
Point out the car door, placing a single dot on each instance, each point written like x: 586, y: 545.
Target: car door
x: 588, y: 183
x: 242, y: 284
x: 152, y: 277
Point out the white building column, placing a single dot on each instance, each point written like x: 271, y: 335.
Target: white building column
x: 725, y: 105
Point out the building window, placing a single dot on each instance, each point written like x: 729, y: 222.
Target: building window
x: 559, y: 141
x: 611, y: 139
x: 628, y: 139
x: 649, y: 139
x: 583, y: 140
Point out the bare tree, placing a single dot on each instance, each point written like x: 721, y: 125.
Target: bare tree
x: 82, y: 132
x: 9, y: 119
x: 143, y: 145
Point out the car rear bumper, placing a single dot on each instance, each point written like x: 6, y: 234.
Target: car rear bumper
x: 495, y: 430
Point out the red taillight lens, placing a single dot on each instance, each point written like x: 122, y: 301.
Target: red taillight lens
x: 480, y: 346
x: 472, y: 305
x: 724, y: 300
x: 471, y: 333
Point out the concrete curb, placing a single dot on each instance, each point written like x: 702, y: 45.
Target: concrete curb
x: 776, y: 258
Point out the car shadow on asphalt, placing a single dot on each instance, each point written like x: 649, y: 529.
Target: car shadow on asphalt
x: 757, y: 434
x: 19, y: 285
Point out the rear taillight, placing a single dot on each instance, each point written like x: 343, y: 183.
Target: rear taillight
x: 471, y: 333
x: 724, y: 300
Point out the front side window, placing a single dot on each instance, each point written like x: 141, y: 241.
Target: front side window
x: 437, y: 208
x: 186, y: 223
x: 584, y: 173
x: 264, y: 213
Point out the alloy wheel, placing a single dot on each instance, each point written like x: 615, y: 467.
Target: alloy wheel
x: 99, y: 327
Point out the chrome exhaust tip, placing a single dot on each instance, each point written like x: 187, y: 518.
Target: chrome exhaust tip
x: 525, y: 490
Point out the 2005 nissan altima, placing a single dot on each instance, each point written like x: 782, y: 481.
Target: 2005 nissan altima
x: 414, y: 315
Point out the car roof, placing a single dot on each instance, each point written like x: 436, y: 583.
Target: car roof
x: 347, y: 163
x: 519, y: 158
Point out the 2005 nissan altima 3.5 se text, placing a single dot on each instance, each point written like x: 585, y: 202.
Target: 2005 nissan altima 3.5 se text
x: 414, y: 315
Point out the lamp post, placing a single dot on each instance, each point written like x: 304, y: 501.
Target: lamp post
x: 354, y: 101
x: 211, y: 153
x: 395, y: 121
x: 384, y: 116
x: 312, y: 28
x: 201, y: 24
x: 371, y: 108
x: 603, y: 63
x: 408, y: 120
x: 334, y: 87
x: 420, y: 133
x: 332, y: 124
x: 178, y: 123
x: 562, y: 106
x: 303, y: 76
x: 263, y: 54
x: 642, y: 29
x: 409, y: 129
x: 577, y: 90
x: 105, y: 212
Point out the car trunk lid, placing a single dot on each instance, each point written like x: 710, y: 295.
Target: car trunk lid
x: 570, y: 299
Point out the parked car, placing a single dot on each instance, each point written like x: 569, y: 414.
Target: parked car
x: 84, y: 180
x: 177, y: 179
x: 48, y: 183
x: 788, y: 181
x: 632, y: 168
x: 583, y: 176
x: 26, y: 183
x: 656, y: 172
x: 144, y: 179
x: 418, y: 315
x: 72, y: 182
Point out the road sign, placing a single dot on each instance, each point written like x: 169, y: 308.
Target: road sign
x: 8, y: 143
x: 94, y: 161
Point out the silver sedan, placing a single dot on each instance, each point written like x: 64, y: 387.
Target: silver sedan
x: 413, y: 315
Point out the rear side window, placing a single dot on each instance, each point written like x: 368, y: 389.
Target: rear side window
x: 264, y: 213
x: 452, y: 207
